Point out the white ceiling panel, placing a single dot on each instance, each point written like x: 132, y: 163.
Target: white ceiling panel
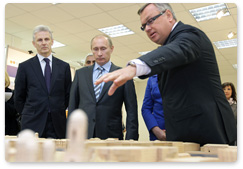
x: 75, y: 24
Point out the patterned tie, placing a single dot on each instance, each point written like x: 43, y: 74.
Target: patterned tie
x: 47, y: 73
x: 97, y: 88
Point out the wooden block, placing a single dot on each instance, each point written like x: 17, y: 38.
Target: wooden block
x: 164, y: 152
x: 10, y: 137
x: 183, y: 155
x: 193, y: 159
x: 191, y: 146
x: 161, y: 143
x: 213, y: 148
x: 179, y: 145
x: 122, y: 154
x: 227, y: 154
x: 202, y: 154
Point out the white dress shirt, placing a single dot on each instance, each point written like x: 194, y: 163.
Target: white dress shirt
x: 43, y: 63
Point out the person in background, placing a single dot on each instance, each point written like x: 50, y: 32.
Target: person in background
x: 152, y: 110
x: 230, y: 93
x: 89, y: 60
x: 104, y: 112
x: 42, y: 87
x: 12, y: 127
x: 195, y: 106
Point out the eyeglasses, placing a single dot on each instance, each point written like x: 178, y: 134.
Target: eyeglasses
x: 151, y: 20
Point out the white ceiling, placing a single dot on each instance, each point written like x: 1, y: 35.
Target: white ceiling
x: 75, y: 24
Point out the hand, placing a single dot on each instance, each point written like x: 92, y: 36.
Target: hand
x: 119, y: 77
x: 160, y: 134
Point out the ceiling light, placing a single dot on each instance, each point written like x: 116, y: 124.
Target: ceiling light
x: 226, y: 43
x: 231, y: 34
x: 221, y: 13
x: 57, y: 44
x: 115, y: 31
x: 235, y: 66
x: 208, y: 12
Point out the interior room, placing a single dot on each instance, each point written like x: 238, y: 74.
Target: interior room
x: 75, y: 24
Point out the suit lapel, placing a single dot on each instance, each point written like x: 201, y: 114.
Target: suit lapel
x: 89, y: 80
x: 54, y: 72
x: 39, y: 74
x: 108, y: 84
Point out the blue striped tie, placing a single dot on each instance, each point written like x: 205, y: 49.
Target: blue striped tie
x: 97, y: 88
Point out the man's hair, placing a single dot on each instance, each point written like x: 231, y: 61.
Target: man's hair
x: 90, y: 54
x: 102, y: 35
x: 161, y: 7
x: 41, y: 28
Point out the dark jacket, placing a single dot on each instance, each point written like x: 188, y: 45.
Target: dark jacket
x: 105, y: 116
x: 12, y: 127
x: 33, y: 101
x: 195, y: 106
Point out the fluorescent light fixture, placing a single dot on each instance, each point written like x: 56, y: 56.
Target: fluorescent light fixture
x: 235, y: 66
x: 143, y: 53
x: 115, y: 31
x: 208, y: 12
x: 226, y: 43
x: 57, y: 44
x: 231, y: 34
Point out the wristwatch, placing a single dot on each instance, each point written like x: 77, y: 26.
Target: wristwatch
x: 131, y: 63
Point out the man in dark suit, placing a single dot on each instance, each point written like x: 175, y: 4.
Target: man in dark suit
x: 42, y: 89
x: 195, y: 107
x: 104, y: 112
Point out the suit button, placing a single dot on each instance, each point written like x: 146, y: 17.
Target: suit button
x: 155, y: 61
x: 93, y: 120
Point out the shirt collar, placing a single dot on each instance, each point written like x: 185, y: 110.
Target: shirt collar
x: 174, y: 26
x: 40, y: 57
x: 106, y: 66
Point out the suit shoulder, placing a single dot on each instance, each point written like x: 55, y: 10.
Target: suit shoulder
x: 60, y: 61
x: 28, y: 61
x: 83, y: 69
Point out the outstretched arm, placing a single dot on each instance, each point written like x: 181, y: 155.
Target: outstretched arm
x: 119, y: 77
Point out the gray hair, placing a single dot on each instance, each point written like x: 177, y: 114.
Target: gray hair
x: 102, y: 35
x: 161, y: 7
x: 90, y: 54
x: 41, y: 28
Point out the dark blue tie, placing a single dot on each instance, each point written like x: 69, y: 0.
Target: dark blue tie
x: 47, y: 73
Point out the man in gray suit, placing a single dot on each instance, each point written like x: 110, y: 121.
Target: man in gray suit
x: 104, y: 112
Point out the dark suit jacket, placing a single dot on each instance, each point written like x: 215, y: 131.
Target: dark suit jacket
x: 105, y: 116
x: 195, y: 106
x: 33, y: 101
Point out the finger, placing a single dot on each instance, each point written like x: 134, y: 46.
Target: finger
x: 101, y: 79
x: 112, y: 89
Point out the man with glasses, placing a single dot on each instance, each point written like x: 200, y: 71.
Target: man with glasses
x: 195, y: 108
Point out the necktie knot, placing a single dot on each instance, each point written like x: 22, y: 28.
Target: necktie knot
x: 100, y: 68
x: 46, y: 60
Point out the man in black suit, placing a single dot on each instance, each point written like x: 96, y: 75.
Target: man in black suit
x: 104, y: 112
x: 42, y: 87
x: 195, y: 107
